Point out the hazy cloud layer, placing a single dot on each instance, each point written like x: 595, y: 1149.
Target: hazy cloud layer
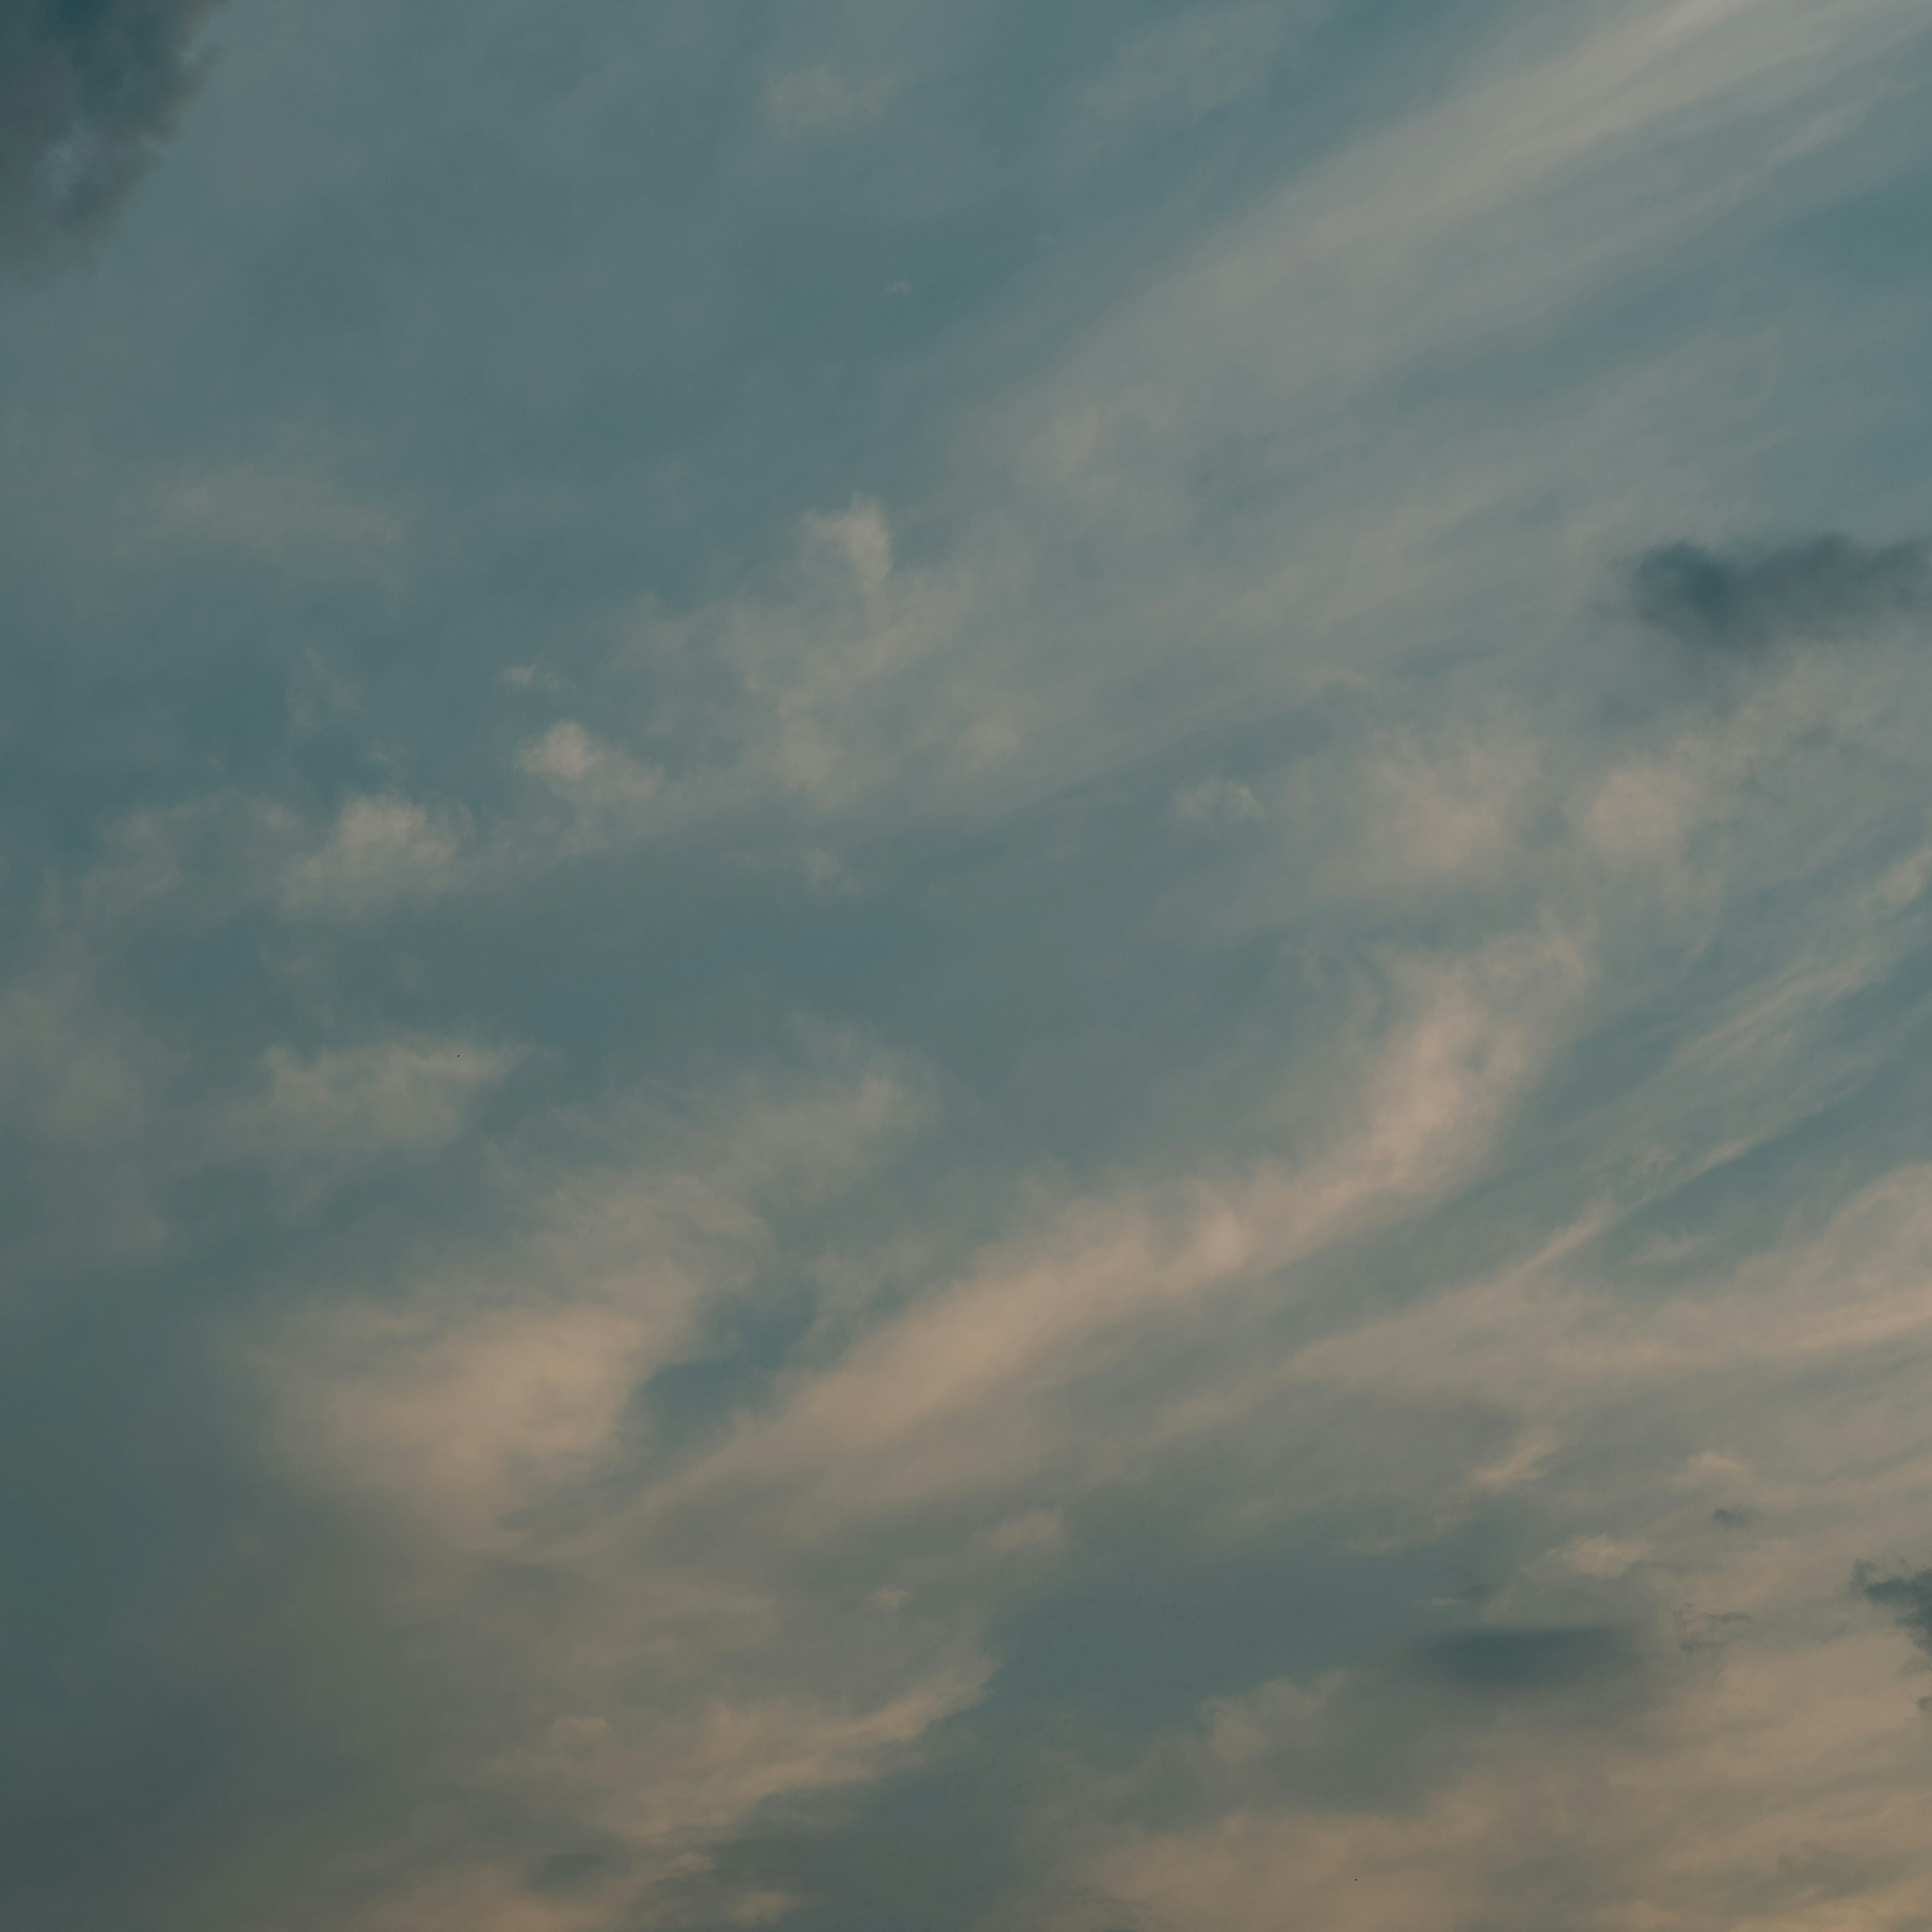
x: 952, y: 975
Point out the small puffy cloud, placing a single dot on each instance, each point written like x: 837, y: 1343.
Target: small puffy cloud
x: 387, y: 849
x: 1216, y: 801
x: 606, y: 789
x: 1601, y: 1557
x: 566, y: 754
x: 1746, y: 600
x: 818, y: 101
x: 87, y: 94
x: 529, y: 677
x: 384, y: 848
x: 856, y: 689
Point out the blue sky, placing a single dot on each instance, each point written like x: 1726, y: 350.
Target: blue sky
x: 968, y: 966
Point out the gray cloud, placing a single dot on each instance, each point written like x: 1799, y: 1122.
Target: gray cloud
x: 565, y: 1871
x: 1908, y: 1598
x: 88, y: 89
x: 1746, y: 600
x: 1529, y: 1660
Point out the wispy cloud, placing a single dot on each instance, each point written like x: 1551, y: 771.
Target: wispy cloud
x: 1100, y: 1072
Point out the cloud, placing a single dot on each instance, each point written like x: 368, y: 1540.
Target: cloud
x: 1908, y: 1598
x: 1744, y: 1789
x: 858, y: 686
x: 89, y: 89
x: 384, y: 849
x: 1400, y: 1112
x: 273, y: 512
x: 817, y: 101
x: 1746, y: 600
x: 1215, y: 801
x: 1529, y: 1660
x: 68, y: 1070
x: 853, y: 701
x: 495, y: 1414
x: 629, y: 1701
x: 1176, y: 73
x: 319, y: 1115
x: 500, y: 1412
x: 976, y: 1391
x: 84, y: 1101
x: 607, y: 790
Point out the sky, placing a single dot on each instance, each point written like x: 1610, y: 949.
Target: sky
x: 967, y: 966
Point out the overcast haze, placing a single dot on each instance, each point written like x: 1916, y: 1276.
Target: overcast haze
x: 967, y: 966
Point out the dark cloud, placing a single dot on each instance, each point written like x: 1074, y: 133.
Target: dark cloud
x: 1746, y: 600
x: 567, y: 1870
x: 1908, y: 1598
x: 1545, y: 1659
x: 88, y: 90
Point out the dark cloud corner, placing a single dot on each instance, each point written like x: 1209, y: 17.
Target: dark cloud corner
x: 89, y: 91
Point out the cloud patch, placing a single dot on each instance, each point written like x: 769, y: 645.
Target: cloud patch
x: 1502, y: 1660
x: 1747, y: 600
x: 1908, y: 1598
